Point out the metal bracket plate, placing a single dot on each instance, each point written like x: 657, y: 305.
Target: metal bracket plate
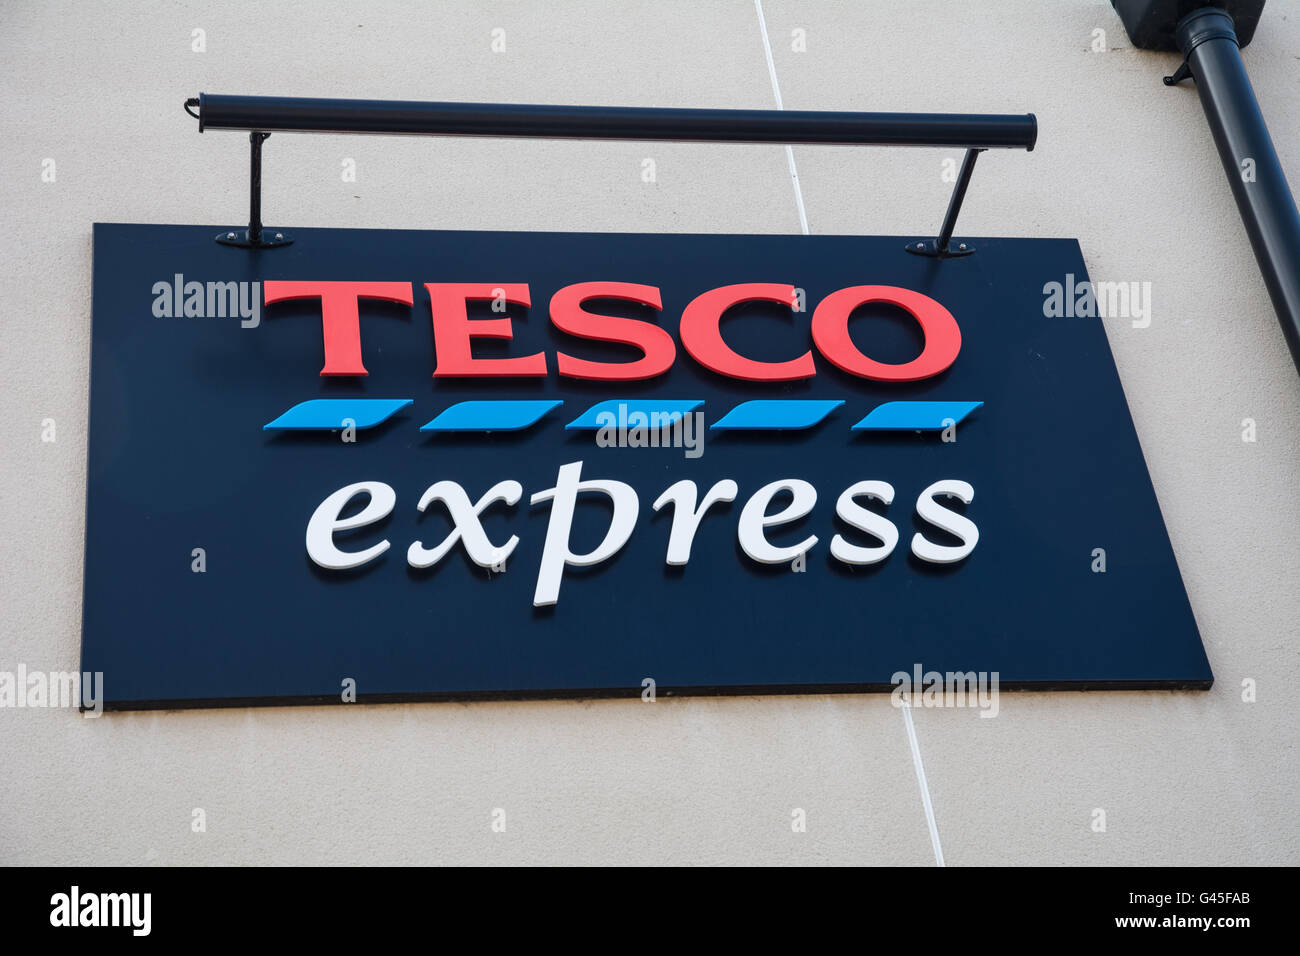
x: 240, y: 238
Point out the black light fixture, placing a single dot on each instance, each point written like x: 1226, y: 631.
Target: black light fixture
x: 263, y: 115
x: 1210, y: 37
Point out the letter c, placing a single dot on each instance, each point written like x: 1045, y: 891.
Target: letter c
x: 703, y: 340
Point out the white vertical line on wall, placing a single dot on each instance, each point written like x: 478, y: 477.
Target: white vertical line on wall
x: 776, y: 92
x: 803, y: 221
x: 925, y: 787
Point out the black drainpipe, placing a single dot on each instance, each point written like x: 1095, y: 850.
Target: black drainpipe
x: 1208, y: 38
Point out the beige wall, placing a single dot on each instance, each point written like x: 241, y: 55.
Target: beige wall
x: 1123, y: 163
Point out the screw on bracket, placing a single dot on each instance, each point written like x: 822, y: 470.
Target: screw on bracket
x: 1182, y: 73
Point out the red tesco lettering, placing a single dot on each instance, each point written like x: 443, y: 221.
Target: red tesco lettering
x: 572, y: 313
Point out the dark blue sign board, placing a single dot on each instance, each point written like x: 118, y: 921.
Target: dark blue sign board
x: 200, y: 591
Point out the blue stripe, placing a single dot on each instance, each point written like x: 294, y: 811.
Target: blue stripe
x: 777, y: 414
x: 915, y: 416
x: 329, y: 414
x: 622, y: 409
x: 504, y: 416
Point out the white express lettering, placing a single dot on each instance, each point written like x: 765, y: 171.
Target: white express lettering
x: 689, y: 511
x: 754, y: 519
x: 865, y: 520
x: 563, y: 498
x: 467, y: 527
x: 325, y: 521
x: 686, y: 517
x: 945, y: 519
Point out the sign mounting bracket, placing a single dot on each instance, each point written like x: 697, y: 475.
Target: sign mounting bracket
x: 254, y: 237
x: 262, y: 115
x: 940, y: 248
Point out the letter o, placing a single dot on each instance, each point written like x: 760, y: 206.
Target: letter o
x: 830, y: 332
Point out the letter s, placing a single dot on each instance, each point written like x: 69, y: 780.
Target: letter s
x: 946, y: 520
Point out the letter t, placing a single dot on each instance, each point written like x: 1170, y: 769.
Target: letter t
x: 340, y: 320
